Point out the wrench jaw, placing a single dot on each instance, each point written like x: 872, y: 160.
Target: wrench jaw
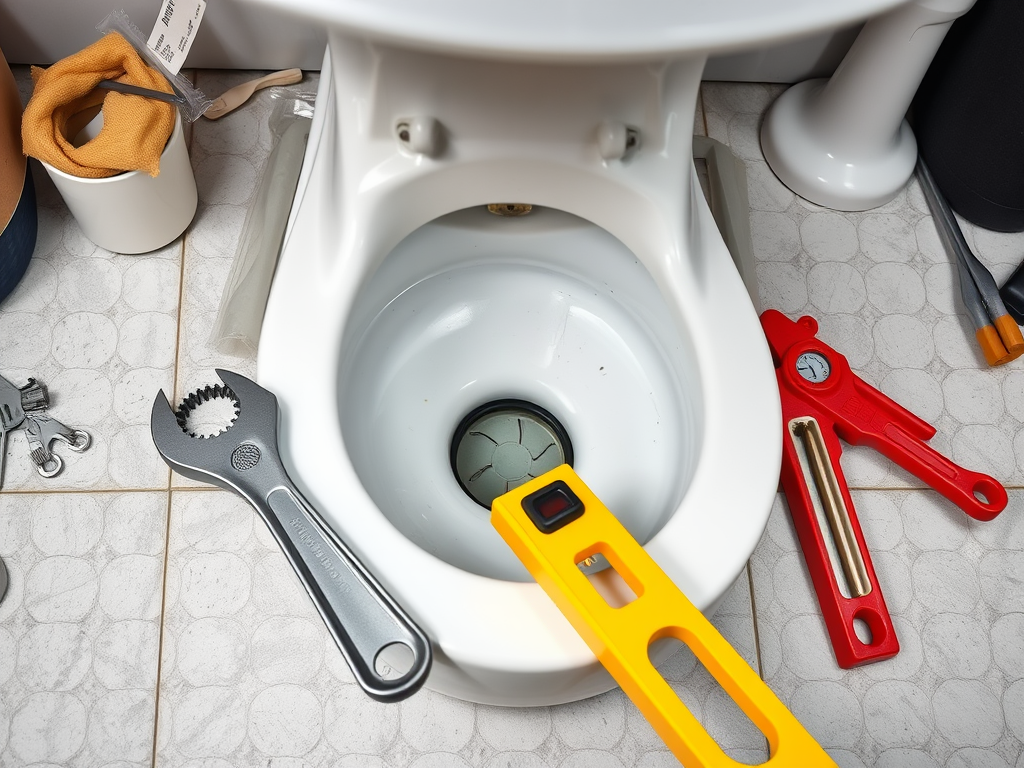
x: 208, y: 459
x: 257, y: 407
x: 182, y: 452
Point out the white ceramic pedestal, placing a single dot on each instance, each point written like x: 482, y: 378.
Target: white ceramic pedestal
x: 843, y: 142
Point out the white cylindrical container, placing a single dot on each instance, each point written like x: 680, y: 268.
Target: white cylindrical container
x: 134, y: 212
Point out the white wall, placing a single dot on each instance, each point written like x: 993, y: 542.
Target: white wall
x: 232, y: 36
x: 235, y: 35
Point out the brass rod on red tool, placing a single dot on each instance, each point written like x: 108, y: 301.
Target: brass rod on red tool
x: 832, y: 503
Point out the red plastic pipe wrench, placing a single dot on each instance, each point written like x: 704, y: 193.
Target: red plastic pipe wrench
x: 822, y: 401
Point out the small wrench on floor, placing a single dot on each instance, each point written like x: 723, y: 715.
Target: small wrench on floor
x: 14, y: 403
x: 361, y: 616
x: 42, y: 431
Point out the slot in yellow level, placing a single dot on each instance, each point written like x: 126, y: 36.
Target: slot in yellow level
x: 620, y: 637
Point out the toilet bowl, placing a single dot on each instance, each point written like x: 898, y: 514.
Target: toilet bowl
x: 429, y: 351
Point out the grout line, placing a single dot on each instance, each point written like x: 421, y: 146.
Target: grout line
x: 163, y: 619
x: 757, y: 638
x: 45, y: 492
x: 753, y: 614
x: 170, y: 489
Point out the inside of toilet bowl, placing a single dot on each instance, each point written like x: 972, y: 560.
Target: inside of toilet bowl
x: 545, y: 310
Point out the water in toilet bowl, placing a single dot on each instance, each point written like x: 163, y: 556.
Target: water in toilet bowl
x: 548, y: 309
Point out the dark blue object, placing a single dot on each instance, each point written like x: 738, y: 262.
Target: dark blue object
x: 18, y: 239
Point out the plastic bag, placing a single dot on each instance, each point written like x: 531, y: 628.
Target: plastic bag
x: 240, y: 317
x: 195, y: 101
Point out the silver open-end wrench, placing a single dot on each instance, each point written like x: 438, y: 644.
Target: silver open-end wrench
x: 361, y: 616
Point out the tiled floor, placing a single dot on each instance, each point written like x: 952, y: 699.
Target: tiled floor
x: 150, y: 619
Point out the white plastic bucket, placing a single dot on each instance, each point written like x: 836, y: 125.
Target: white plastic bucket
x: 133, y: 212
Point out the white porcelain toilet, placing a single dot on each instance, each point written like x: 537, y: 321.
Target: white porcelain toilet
x: 611, y: 313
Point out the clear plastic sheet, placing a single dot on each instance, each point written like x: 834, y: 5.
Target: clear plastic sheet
x: 240, y: 317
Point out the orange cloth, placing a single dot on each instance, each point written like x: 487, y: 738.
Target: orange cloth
x: 135, y: 128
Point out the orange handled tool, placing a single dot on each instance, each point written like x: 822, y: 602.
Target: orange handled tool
x: 996, y: 330
x: 553, y: 524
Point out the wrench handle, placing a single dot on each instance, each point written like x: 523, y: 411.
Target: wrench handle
x: 979, y: 495
x: 361, y: 616
x: 879, y: 422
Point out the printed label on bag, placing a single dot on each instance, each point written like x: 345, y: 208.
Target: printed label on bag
x: 175, y: 29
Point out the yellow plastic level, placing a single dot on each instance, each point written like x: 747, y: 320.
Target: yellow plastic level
x: 620, y: 637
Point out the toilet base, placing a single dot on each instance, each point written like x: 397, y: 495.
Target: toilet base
x: 843, y: 142
x: 810, y: 164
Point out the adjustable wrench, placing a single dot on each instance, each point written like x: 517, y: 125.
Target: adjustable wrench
x: 361, y: 616
x: 823, y: 401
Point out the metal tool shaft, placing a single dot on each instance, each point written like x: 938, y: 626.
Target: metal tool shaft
x: 138, y: 90
x: 953, y: 239
x: 832, y: 503
x: 359, y: 614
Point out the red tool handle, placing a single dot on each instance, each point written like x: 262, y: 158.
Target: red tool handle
x: 977, y: 494
x: 839, y: 610
x: 821, y: 395
x: 861, y: 415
